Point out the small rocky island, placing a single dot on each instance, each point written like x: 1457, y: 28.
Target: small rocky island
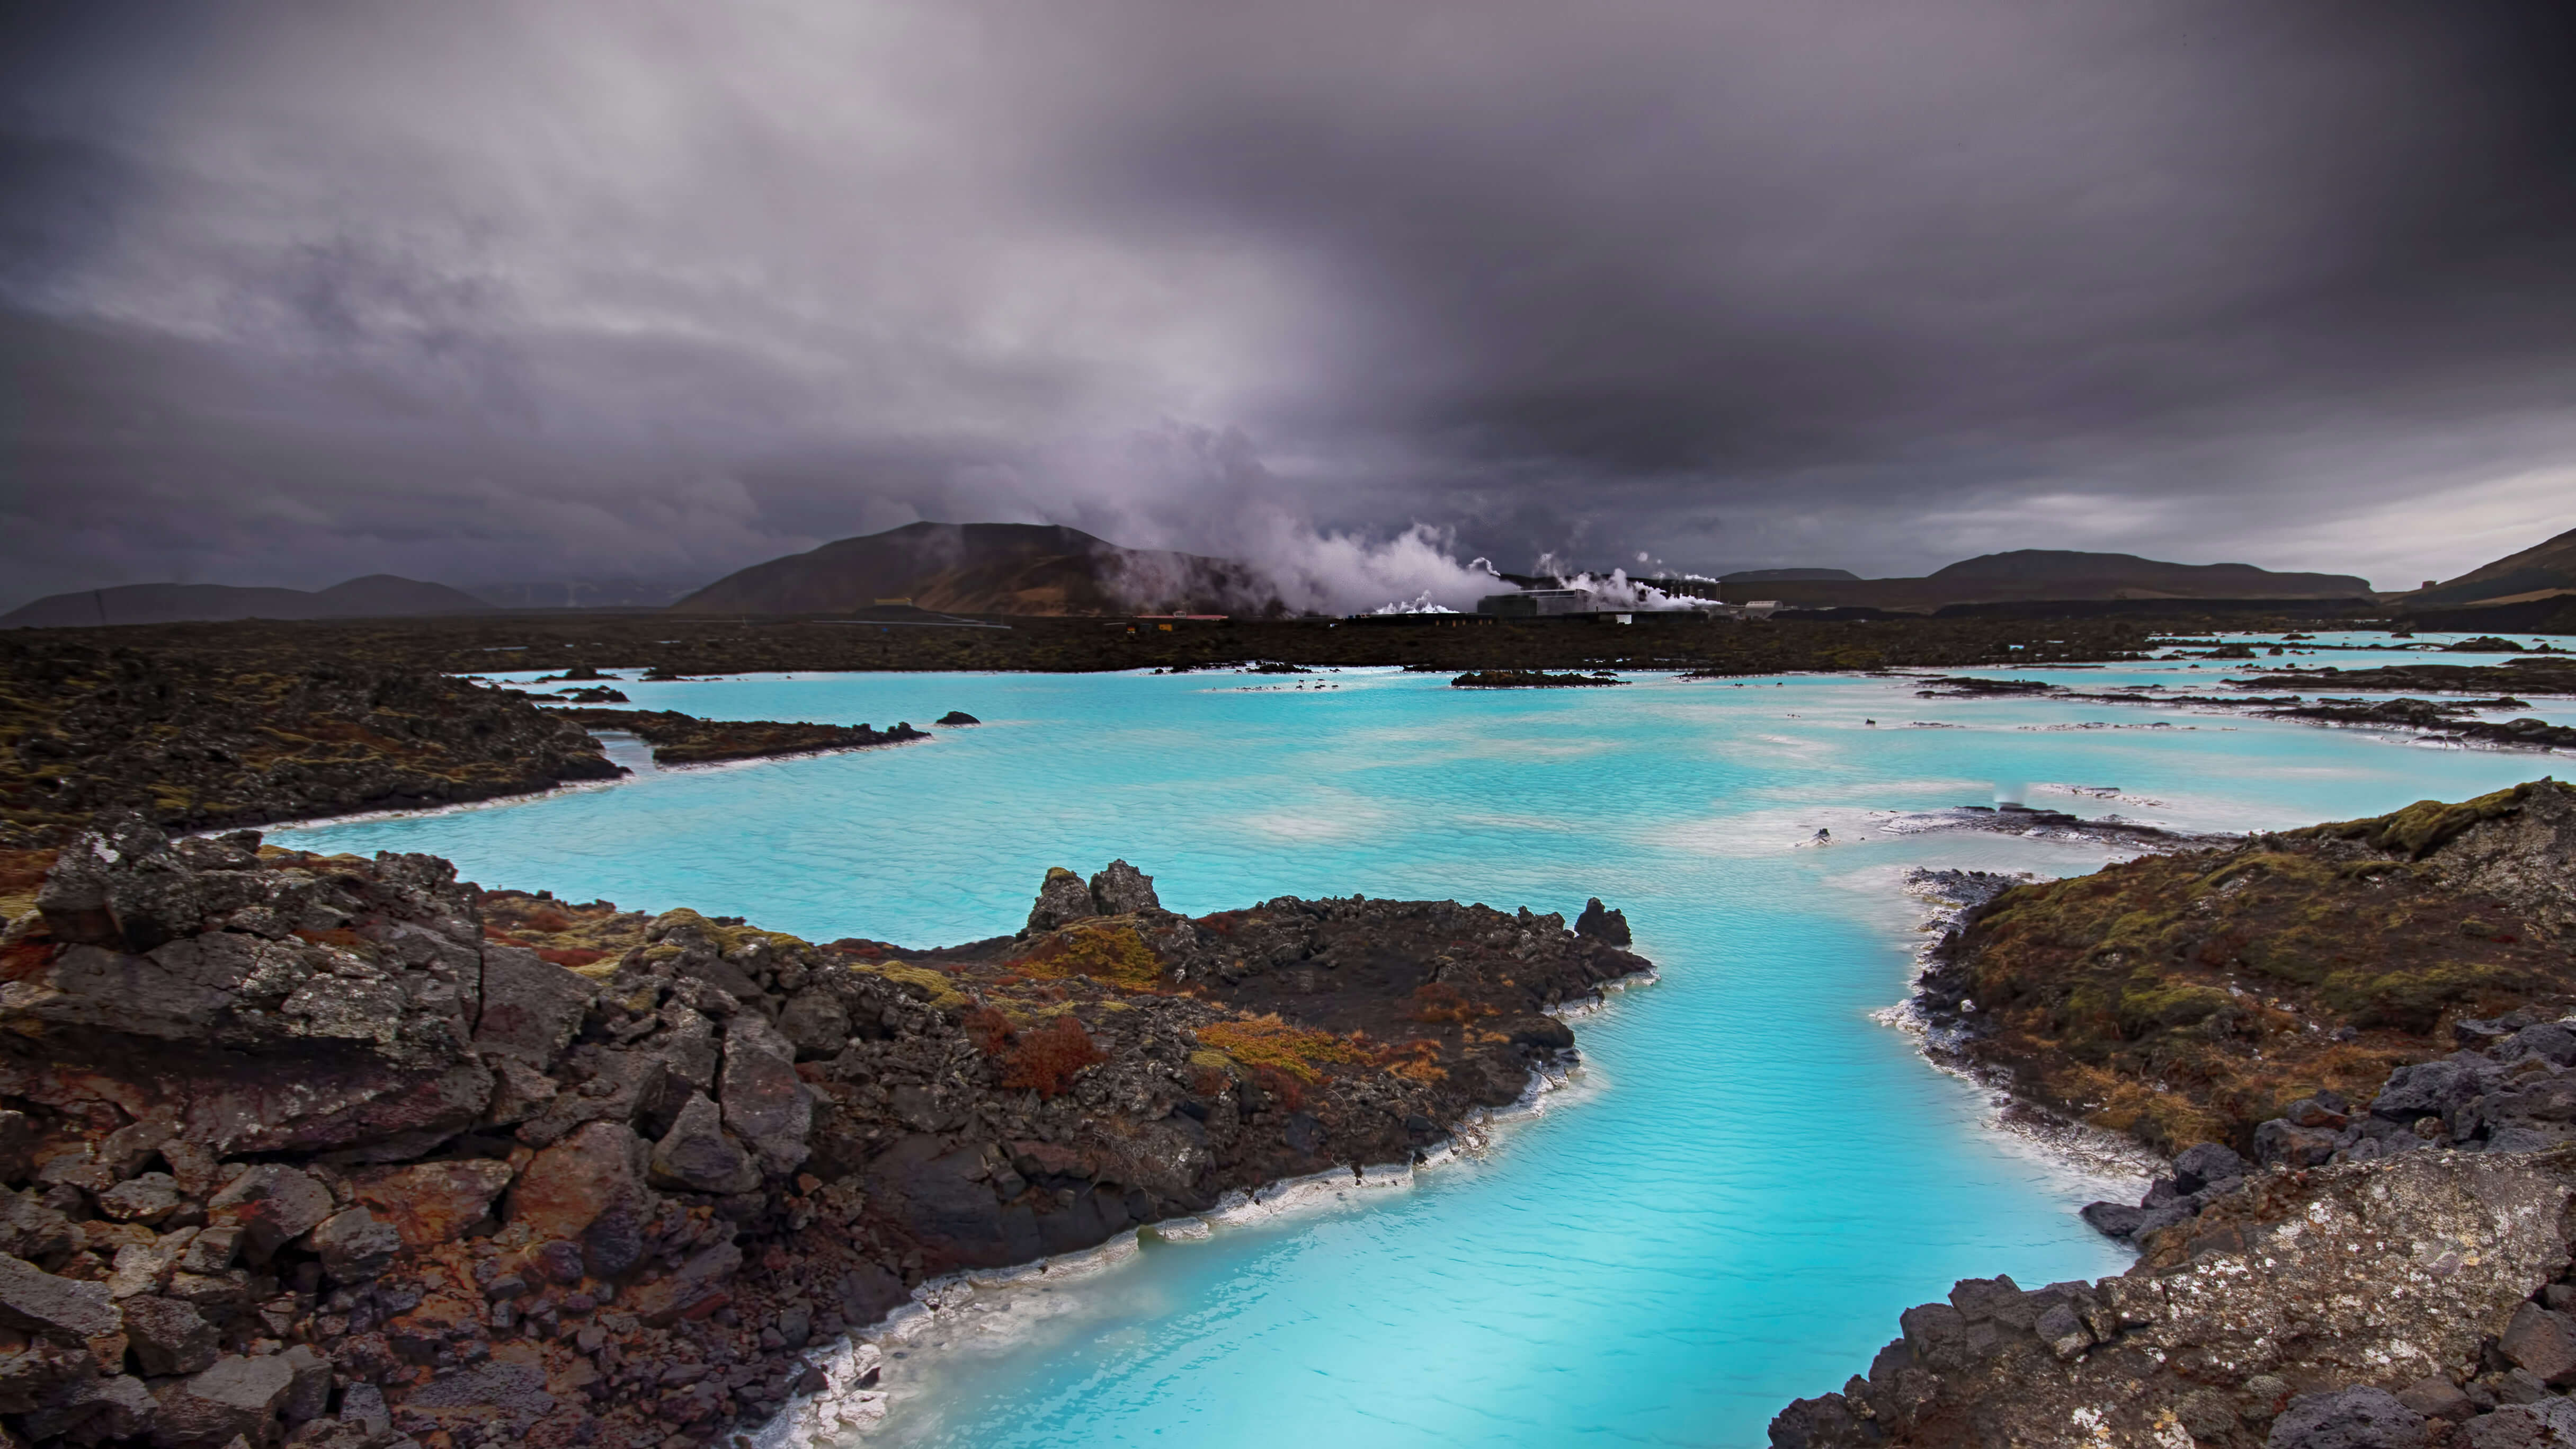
x: 683, y: 739
x: 2366, y: 1238
x: 350, y: 1153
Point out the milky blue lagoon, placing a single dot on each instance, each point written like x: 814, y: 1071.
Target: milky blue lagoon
x: 1747, y: 1183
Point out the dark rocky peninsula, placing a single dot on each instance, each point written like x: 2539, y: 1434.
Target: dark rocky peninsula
x: 205, y: 744
x: 2365, y: 1241
x: 1529, y: 679
x: 351, y: 1153
x: 681, y: 739
x: 2186, y: 997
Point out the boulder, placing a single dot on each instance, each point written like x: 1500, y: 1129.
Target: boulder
x: 2436, y: 1397
x: 2279, y: 1143
x: 308, y: 1395
x: 1062, y: 900
x: 430, y: 1203
x: 764, y: 1101
x: 697, y: 1155
x: 354, y: 1246
x: 29, y: 1229
x: 2430, y: 1089
x: 519, y: 1090
x: 120, y: 885
x: 2357, y: 1418
x: 531, y: 1007
x: 35, y: 1301
x: 1121, y: 889
x: 2541, y: 1341
x: 121, y: 1407
x: 2204, y: 1163
x: 815, y: 1023
x: 2543, y: 1424
x: 145, y: 1199
x: 510, y: 1389
x: 169, y: 1337
x: 234, y: 1396
x: 588, y: 1188
x: 701, y: 1286
x: 272, y: 1204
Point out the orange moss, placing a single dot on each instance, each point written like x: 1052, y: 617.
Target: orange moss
x: 1266, y: 1041
x: 1108, y: 951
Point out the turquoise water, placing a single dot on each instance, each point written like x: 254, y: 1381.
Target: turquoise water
x: 1752, y: 1176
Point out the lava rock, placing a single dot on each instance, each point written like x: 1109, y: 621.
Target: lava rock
x: 697, y: 1155
x: 354, y: 1247
x: 2202, y: 1164
x: 2545, y: 1424
x: 35, y: 1301
x: 2359, y: 1418
x: 168, y: 1336
x: 1121, y: 889
x: 1062, y: 900
x: 1603, y: 924
x: 531, y: 1007
x: 271, y: 1203
x: 2541, y: 1341
x: 433, y: 1202
x: 235, y: 1395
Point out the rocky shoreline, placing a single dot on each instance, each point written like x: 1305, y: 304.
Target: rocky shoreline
x: 2386, y: 1267
x: 350, y: 1153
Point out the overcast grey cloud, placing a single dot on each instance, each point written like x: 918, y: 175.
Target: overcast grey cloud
x: 290, y: 292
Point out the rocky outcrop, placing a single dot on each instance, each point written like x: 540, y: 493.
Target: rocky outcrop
x: 2415, y: 1301
x: 317, y: 1148
x: 2381, y: 1265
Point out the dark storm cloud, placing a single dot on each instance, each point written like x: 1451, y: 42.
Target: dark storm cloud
x: 291, y: 293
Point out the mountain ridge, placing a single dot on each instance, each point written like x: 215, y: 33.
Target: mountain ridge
x: 367, y: 596
x: 986, y: 568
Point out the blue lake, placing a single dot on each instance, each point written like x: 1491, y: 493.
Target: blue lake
x: 1749, y: 1180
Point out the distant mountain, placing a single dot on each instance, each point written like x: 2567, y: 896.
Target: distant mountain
x: 583, y: 593
x: 2035, y: 575
x: 2542, y: 569
x: 374, y: 596
x: 986, y: 568
x: 1786, y: 576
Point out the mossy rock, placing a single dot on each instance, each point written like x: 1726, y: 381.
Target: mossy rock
x: 922, y: 983
x: 1108, y: 949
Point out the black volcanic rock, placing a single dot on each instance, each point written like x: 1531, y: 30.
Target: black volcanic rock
x: 349, y: 1148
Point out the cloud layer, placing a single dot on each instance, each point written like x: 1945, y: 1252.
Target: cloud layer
x: 496, y: 291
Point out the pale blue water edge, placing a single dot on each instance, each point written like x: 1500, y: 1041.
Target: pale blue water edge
x: 1754, y: 1176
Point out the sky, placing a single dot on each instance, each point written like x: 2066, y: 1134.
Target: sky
x: 475, y: 292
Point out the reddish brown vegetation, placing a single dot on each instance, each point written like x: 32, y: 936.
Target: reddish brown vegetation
x: 1440, y: 1001
x: 1285, y: 1091
x: 1050, y: 1057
